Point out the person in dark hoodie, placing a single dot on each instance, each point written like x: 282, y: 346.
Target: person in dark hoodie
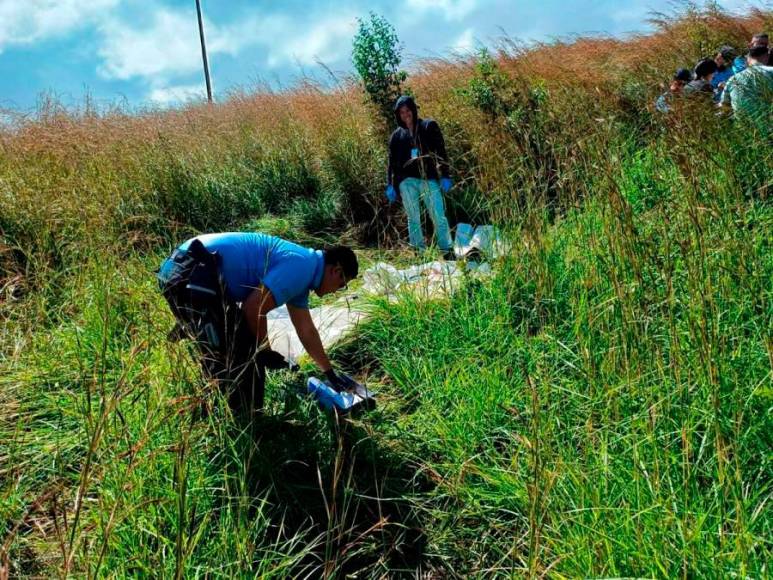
x: 418, y: 169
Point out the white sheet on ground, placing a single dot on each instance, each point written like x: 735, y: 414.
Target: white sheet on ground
x: 430, y: 280
x: 332, y: 322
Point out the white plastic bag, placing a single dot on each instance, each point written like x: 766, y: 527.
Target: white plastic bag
x: 484, y: 238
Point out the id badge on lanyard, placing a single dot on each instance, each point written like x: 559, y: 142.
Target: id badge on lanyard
x: 414, y: 153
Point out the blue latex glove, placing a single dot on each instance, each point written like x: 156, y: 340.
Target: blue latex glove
x: 446, y: 184
x: 391, y: 194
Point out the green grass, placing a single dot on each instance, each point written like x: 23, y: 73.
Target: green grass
x: 597, y: 431
x: 600, y: 407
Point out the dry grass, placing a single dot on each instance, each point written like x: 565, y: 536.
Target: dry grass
x: 75, y: 182
x: 66, y: 174
x: 598, y: 410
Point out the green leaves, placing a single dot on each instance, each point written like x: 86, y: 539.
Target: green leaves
x: 376, y: 58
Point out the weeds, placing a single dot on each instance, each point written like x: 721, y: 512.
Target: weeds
x: 598, y: 408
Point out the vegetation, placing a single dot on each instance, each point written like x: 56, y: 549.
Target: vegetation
x: 376, y: 58
x: 600, y: 407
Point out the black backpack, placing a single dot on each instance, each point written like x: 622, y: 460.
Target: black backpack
x: 196, y: 295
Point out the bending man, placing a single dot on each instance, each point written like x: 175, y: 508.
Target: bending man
x: 220, y: 288
x: 418, y: 169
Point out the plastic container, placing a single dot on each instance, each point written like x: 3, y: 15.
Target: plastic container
x: 343, y: 402
x: 329, y: 398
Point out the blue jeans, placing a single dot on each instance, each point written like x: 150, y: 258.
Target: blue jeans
x: 413, y: 191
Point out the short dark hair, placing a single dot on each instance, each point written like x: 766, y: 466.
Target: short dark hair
x: 342, y: 256
x: 683, y: 74
x: 758, y: 51
x: 727, y: 52
x: 705, y: 67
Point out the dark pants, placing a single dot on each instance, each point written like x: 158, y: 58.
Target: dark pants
x: 191, y: 284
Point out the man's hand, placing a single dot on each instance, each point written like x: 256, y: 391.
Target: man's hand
x: 340, y: 382
x: 271, y: 360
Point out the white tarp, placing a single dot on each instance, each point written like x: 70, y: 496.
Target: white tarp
x: 332, y: 322
x: 430, y: 280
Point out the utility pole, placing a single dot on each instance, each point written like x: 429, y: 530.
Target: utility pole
x: 204, y: 51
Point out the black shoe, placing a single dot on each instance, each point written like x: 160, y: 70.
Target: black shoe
x: 449, y: 256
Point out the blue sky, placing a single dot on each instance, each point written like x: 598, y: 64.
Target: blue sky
x: 146, y: 52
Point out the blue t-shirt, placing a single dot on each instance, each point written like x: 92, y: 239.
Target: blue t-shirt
x: 721, y: 76
x: 249, y: 259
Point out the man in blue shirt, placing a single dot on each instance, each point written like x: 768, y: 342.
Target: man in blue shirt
x: 724, y: 59
x: 220, y: 288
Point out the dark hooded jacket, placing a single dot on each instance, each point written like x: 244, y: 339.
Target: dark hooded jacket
x: 432, y: 162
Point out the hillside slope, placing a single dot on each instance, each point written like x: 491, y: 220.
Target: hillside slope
x: 601, y: 407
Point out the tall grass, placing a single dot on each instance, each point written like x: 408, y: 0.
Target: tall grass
x: 599, y: 408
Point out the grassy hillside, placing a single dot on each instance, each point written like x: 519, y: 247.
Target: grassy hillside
x: 601, y: 407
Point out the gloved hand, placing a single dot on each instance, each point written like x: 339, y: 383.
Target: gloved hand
x: 271, y: 360
x: 391, y: 194
x: 340, y: 382
x: 446, y: 184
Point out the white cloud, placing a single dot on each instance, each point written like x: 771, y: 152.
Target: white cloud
x: 448, y: 9
x: 178, y: 94
x: 466, y: 42
x: 26, y: 21
x: 168, y: 46
x: 326, y: 40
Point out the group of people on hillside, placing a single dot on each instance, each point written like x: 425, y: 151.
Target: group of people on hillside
x: 742, y: 82
x: 221, y: 286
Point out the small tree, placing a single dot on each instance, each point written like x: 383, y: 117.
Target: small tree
x: 376, y: 58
